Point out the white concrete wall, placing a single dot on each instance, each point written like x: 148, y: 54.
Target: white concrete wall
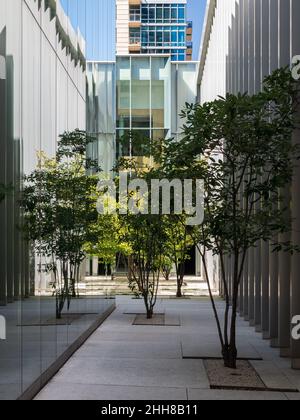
x: 44, y: 95
x: 213, y: 82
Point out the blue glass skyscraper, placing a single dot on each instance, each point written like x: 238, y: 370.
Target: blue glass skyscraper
x: 154, y: 27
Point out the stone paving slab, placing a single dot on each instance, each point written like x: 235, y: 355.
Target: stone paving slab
x: 126, y: 362
x: 134, y: 372
x: 156, y: 320
x: 87, y: 392
x: 149, y: 336
x: 131, y: 350
x: 206, y: 348
x: 166, y: 320
x: 272, y: 377
x: 216, y: 395
x: 293, y: 396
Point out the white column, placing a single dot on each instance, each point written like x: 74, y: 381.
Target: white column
x: 95, y: 266
x: 295, y: 275
x: 265, y: 47
x: 274, y: 64
x: 284, y: 257
x: 257, y: 88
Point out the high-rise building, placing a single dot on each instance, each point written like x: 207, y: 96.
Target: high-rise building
x: 154, y: 27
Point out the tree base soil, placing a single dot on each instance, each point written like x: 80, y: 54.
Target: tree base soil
x: 243, y: 378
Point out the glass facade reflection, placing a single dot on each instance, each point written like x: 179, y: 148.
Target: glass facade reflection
x: 142, y: 104
x: 143, y: 94
x: 42, y: 94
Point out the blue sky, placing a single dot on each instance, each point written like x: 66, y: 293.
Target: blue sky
x: 196, y: 12
x: 96, y: 20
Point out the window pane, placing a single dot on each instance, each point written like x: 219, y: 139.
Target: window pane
x: 145, y: 14
x: 167, y: 14
x: 123, y: 103
x: 181, y: 38
x: 123, y: 142
x: 159, y: 14
x: 140, y: 91
x: 181, y: 14
x: 158, y: 103
x: 174, y: 13
x: 159, y: 38
x: 152, y: 14
x: 140, y: 143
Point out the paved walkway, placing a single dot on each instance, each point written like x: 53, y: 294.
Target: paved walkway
x: 125, y: 362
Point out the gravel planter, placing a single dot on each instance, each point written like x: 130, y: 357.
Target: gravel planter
x: 243, y: 378
x: 157, y: 320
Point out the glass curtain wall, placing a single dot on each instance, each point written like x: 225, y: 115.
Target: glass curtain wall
x: 101, y: 113
x: 164, y: 29
x: 163, y: 13
x: 42, y: 94
x: 143, y: 103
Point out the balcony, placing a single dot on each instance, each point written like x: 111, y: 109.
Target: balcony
x: 135, y: 43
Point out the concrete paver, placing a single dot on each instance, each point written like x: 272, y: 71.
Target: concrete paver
x: 122, y: 361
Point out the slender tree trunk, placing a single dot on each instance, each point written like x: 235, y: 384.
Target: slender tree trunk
x: 179, y: 292
x: 73, y: 282
x: 149, y: 313
x: 180, y: 276
x: 230, y: 352
x: 149, y: 308
x: 203, y: 256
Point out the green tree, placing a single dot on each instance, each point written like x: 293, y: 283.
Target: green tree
x: 145, y: 234
x: 59, y: 206
x: 167, y: 265
x: 106, y: 239
x: 147, y: 239
x: 241, y: 147
x: 178, y: 244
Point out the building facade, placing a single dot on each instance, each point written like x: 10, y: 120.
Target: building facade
x: 244, y: 41
x: 134, y: 102
x: 42, y: 94
x: 154, y: 27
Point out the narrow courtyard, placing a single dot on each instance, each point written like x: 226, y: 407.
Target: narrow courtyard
x: 122, y: 361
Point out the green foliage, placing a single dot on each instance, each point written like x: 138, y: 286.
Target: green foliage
x: 59, y: 206
x: 107, y: 239
x: 135, y: 143
x: 147, y: 237
x: 167, y: 265
x: 179, y: 243
x: 241, y: 147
